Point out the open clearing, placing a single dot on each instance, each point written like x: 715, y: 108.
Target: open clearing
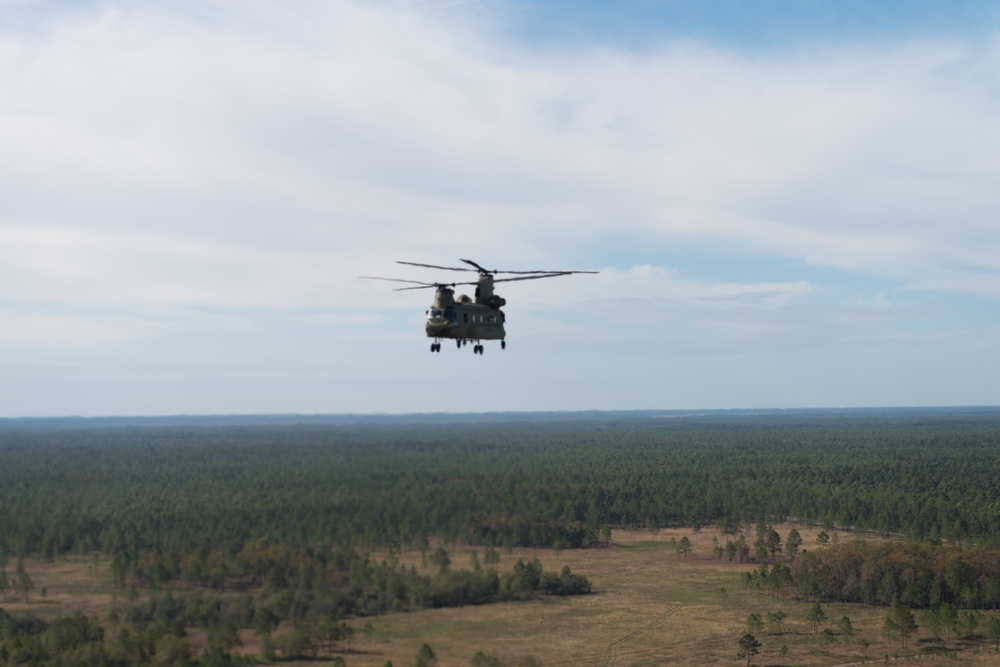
x: 651, y: 606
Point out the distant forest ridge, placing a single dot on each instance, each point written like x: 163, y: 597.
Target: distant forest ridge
x: 479, y: 417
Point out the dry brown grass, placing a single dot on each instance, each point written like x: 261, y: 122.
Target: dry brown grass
x: 72, y: 584
x: 651, y: 606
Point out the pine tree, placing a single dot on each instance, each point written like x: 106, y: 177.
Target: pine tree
x: 899, y: 623
x: 816, y: 616
x: 749, y: 647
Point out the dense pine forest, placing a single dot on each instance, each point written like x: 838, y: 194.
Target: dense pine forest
x: 932, y: 475
x: 276, y: 521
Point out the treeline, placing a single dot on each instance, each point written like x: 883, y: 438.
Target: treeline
x: 558, y: 484
x: 341, y: 581
x: 914, y: 574
x: 72, y: 639
x: 952, y: 586
x: 307, y: 592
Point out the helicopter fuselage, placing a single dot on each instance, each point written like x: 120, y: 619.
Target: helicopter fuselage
x: 465, y: 319
x: 465, y: 322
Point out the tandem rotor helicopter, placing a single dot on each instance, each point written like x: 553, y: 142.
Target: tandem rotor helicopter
x: 465, y: 319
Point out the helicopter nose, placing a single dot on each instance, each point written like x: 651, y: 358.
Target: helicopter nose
x: 436, y: 325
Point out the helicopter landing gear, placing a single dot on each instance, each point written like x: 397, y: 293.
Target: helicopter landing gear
x: 435, y: 347
x: 503, y: 345
x: 477, y: 349
x: 458, y: 344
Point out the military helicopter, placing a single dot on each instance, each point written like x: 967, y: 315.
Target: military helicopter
x: 465, y: 319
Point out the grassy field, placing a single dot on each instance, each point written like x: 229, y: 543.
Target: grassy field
x: 651, y: 606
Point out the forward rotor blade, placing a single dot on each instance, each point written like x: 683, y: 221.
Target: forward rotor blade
x: 399, y: 280
x: 403, y: 289
x: 438, y: 285
x: 418, y: 284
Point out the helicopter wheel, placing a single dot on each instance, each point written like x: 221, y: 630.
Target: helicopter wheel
x: 503, y: 345
x: 458, y: 344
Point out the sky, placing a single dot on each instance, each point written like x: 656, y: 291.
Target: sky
x: 790, y: 203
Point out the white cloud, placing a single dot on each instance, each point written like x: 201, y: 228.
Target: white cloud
x: 655, y: 288
x: 192, y: 167
x: 69, y: 330
x: 55, y: 265
x: 378, y: 124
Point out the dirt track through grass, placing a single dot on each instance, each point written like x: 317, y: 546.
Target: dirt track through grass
x: 616, y: 646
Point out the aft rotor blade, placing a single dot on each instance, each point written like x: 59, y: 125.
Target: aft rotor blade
x: 481, y: 269
x: 546, y: 275
x: 552, y: 272
x: 435, y: 266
